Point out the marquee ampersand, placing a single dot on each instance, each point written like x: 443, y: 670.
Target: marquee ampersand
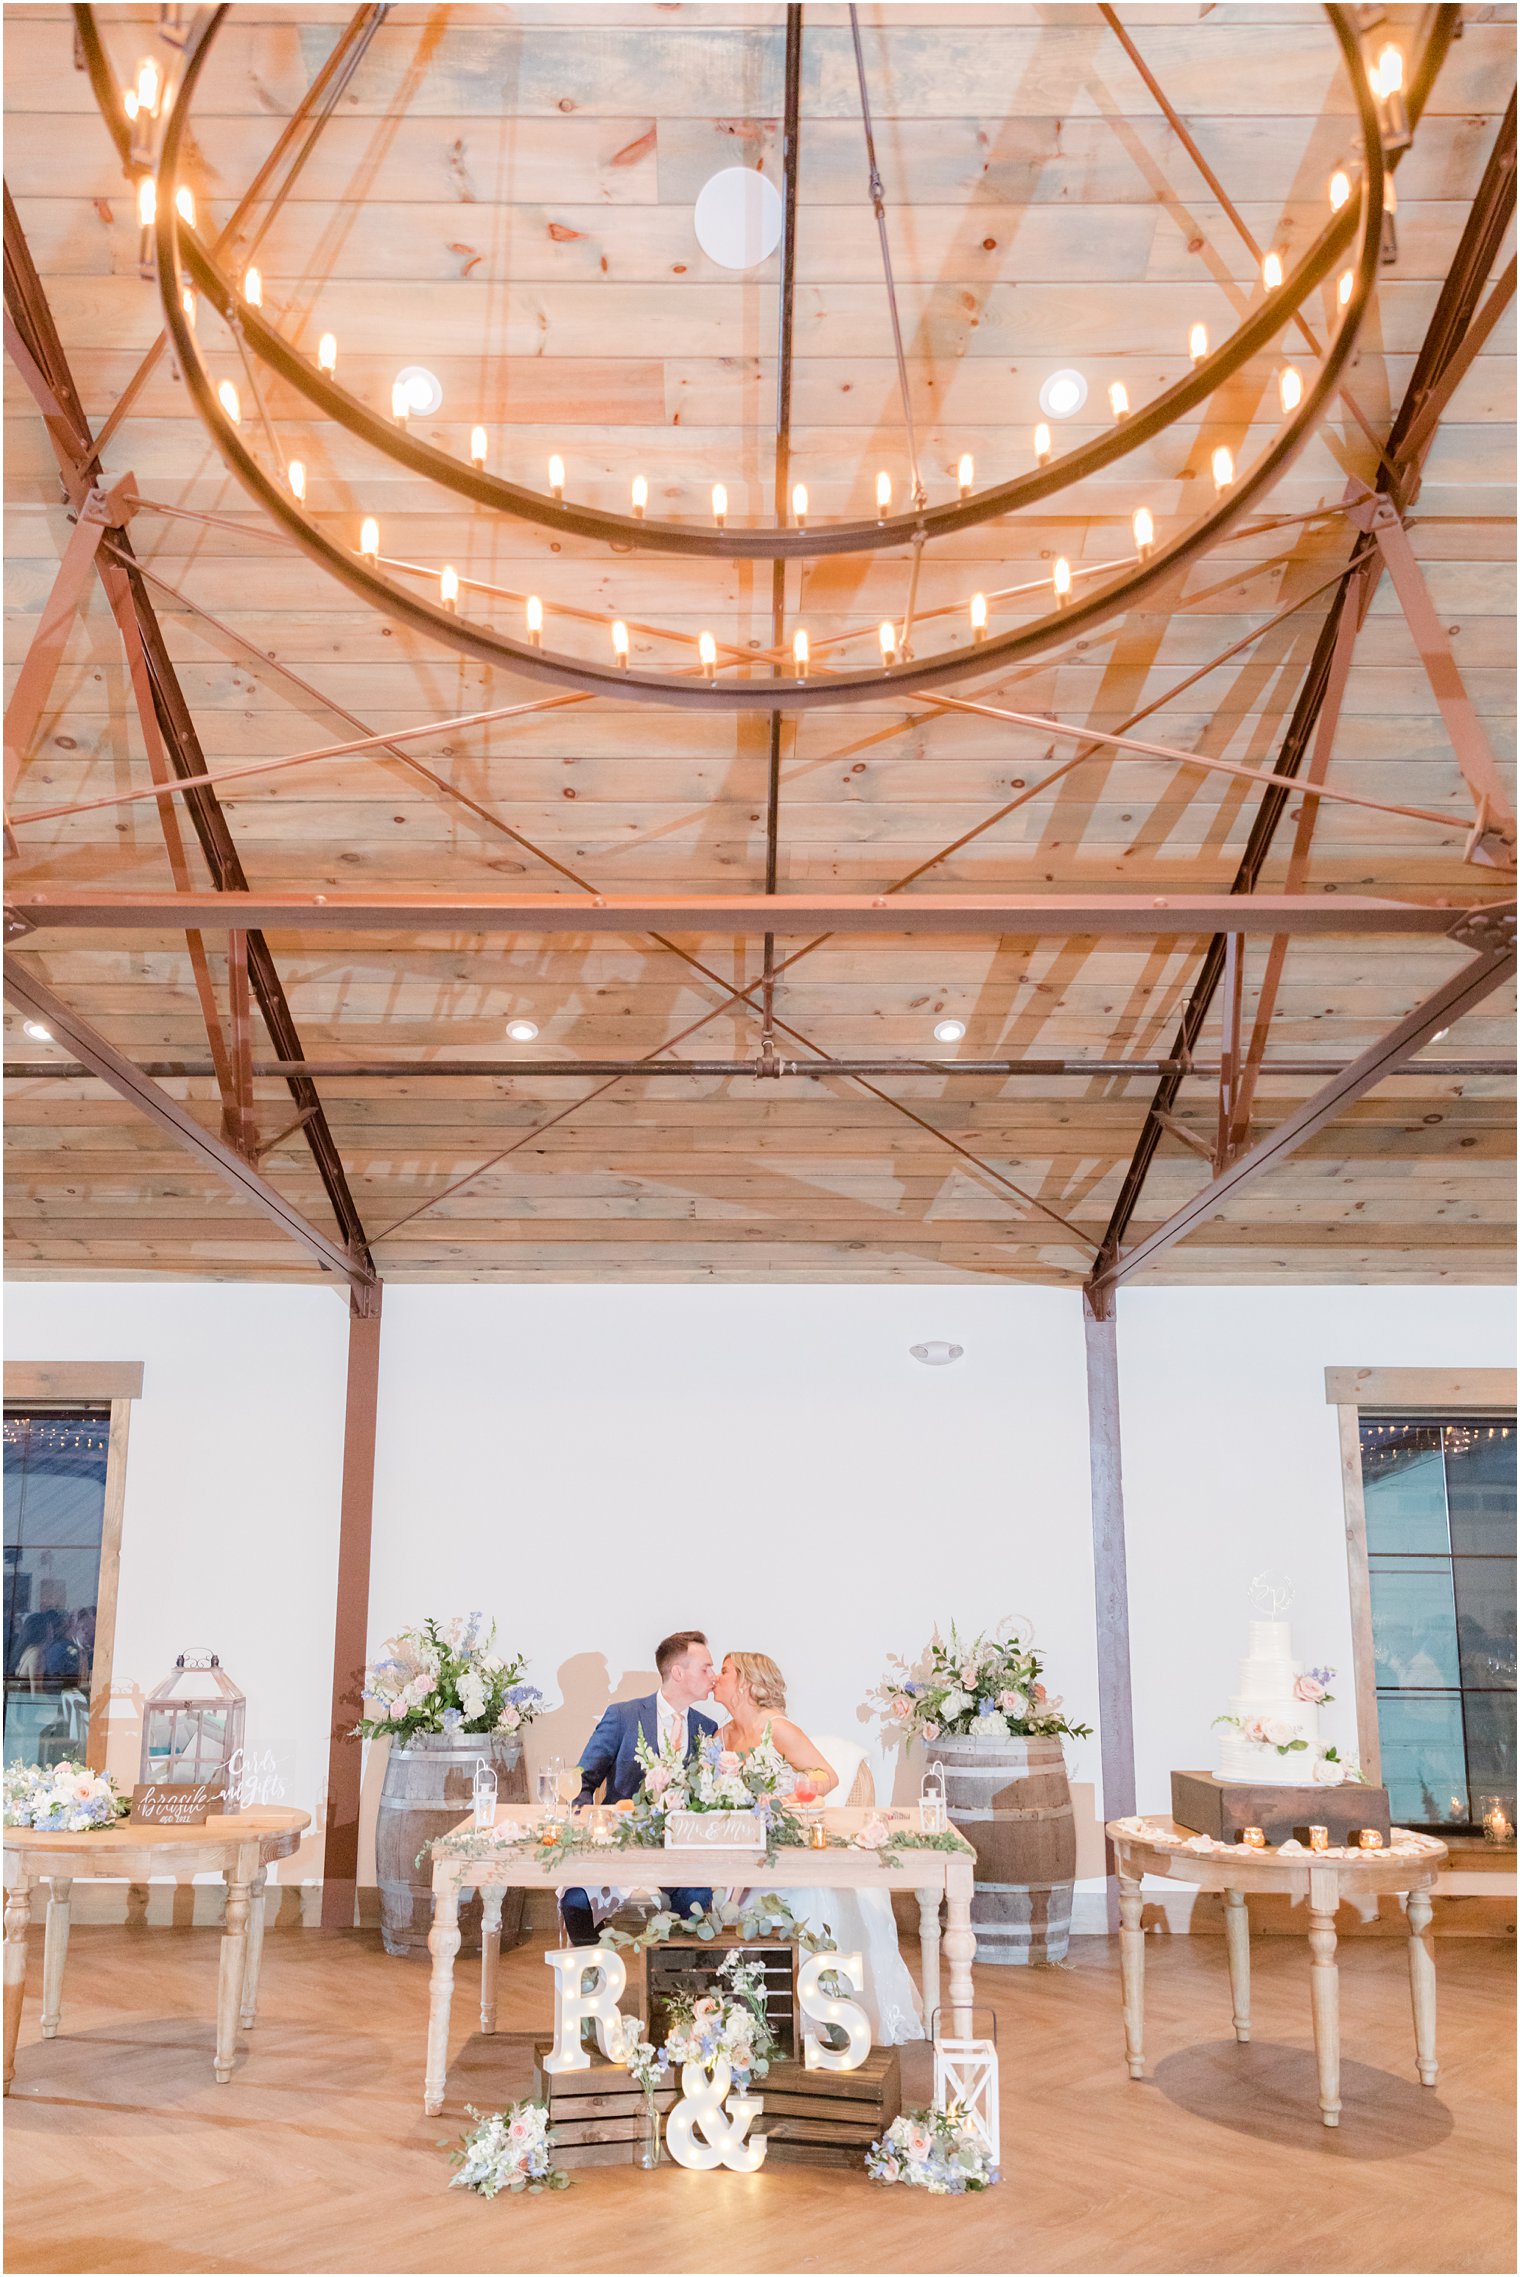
x: 701, y: 2109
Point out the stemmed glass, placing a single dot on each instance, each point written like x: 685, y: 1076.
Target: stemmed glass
x: 550, y: 1777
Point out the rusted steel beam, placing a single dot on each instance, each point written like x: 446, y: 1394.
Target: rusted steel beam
x: 1471, y: 345
x: 38, y: 1001
x: 1489, y: 969
x: 556, y: 1070
x: 244, y: 1135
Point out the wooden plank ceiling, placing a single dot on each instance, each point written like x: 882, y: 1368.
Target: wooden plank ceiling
x: 506, y: 196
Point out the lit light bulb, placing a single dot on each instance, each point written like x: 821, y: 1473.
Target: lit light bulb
x: 1290, y: 387
x: 800, y: 653
x: 1223, y: 466
x: 535, y: 616
x: 147, y: 201
x: 887, y: 635
x: 883, y: 495
x: 129, y: 101
x: 296, y: 476
x: 253, y: 288
x: 400, y: 402
x: 227, y: 397
x: 556, y: 475
x: 640, y: 496
x: 1198, y: 343
x: 1272, y: 271
x: 1042, y: 445
x: 719, y: 504
x: 1118, y: 399
x: 327, y: 353
x: 184, y: 205
x: 478, y: 447
x: 965, y: 474
x: 448, y: 587
x: 1145, y: 531
x: 1060, y: 578
x: 41, y: 1035
x: 369, y: 537
x: 1340, y: 188
x: 149, y: 86
x: 187, y: 303
x: 707, y: 650
x: 799, y: 504
x: 1387, y: 76
x: 979, y: 616
x: 620, y: 642
x: 1343, y: 289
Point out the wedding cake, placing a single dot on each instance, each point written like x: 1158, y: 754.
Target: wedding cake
x: 1272, y: 1735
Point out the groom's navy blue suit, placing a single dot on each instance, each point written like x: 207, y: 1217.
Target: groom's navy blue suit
x: 610, y: 1761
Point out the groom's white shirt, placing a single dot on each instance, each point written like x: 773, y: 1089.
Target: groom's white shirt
x: 674, y: 1729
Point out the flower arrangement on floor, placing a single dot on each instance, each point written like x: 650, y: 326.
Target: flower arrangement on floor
x: 646, y: 2066
x: 730, y: 2022
x: 444, y: 1677
x: 934, y: 2151
x: 62, y: 1798
x: 988, y: 1688
x: 508, y: 2150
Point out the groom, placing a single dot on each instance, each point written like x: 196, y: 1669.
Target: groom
x: 668, y: 1719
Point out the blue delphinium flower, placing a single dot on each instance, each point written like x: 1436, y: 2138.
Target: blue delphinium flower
x: 517, y: 1693
x: 452, y: 1719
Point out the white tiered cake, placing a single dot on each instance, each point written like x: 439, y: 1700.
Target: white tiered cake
x: 1266, y: 1715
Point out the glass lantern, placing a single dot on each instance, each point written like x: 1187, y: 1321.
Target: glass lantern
x: 192, y: 1724
x: 933, y: 1805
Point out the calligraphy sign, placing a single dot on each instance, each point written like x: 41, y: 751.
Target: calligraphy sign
x: 178, y: 1806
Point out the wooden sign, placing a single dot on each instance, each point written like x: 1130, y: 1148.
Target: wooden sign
x: 178, y: 1806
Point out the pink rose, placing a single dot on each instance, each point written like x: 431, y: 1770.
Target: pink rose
x: 657, y: 1778
x: 930, y: 1731
x: 902, y: 1706
x: 1310, y: 1688
x: 969, y: 1674
x: 728, y: 1760
x: 873, y: 1834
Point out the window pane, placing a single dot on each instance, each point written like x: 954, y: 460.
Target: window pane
x: 1480, y: 1486
x: 1414, y: 1622
x: 62, y: 1462
x: 1404, y: 1486
x: 1424, y: 1767
x: 1486, y: 1621
x: 1491, y: 1748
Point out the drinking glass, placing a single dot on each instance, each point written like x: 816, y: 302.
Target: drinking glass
x: 548, y: 1785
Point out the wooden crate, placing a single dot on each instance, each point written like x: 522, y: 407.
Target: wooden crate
x: 598, y: 2117
x: 828, y: 2118
x: 1221, y: 1807
x: 692, y: 1964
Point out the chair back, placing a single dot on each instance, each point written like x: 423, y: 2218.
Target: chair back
x: 846, y: 1758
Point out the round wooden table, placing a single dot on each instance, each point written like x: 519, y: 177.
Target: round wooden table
x: 239, y: 1846
x: 1408, y: 1866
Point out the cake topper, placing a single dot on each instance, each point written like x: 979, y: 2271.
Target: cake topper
x: 1271, y: 1593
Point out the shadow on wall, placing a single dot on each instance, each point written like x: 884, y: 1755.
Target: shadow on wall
x: 586, y: 1692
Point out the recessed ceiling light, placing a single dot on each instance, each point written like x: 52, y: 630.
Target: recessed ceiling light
x: 1435, y: 1039
x: 738, y: 218
x: 1063, y: 394
x: 37, y: 1032
x: 937, y: 1354
x: 949, y: 1031
x: 522, y: 1031
x: 424, y: 389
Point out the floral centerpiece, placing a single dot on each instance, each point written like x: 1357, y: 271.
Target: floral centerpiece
x: 62, y: 1798
x: 508, y: 2150
x: 718, y: 1796
x: 646, y: 2066
x: 730, y: 2022
x: 989, y: 1688
x: 445, y: 1677
x: 935, y: 2151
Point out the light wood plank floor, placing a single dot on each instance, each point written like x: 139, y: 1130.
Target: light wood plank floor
x: 123, y: 2155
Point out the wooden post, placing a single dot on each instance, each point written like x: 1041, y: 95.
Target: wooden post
x: 1116, y: 1723
x: 340, y: 1859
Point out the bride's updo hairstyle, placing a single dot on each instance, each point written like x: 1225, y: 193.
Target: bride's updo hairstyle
x: 763, y: 1679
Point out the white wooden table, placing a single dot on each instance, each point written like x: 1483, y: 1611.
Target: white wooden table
x: 491, y: 1867
x: 1408, y: 1866
x: 239, y: 1845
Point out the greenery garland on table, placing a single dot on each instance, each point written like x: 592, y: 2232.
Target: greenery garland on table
x: 760, y: 1916
x: 636, y: 1830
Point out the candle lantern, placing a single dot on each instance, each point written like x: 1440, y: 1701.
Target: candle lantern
x: 1319, y: 1838
x: 1369, y: 1839
x: 966, y: 2075
x: 192, y: 1724
x: 1252, y: 1838
x: 484, y: 1792
x: 933, y: 1807
x: 1498, y: 1816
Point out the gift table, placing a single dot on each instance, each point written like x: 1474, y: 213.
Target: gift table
x: 503, y: 1859
x: 238, y: 1845
x: 1407, y: 1867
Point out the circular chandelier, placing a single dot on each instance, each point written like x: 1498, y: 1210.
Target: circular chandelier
x: 190, y: 274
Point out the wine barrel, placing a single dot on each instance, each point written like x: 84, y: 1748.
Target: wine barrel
x: 1011, y: 1800
x: 429, y: 1787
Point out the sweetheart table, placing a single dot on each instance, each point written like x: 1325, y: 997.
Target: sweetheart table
x: 504, y: 1857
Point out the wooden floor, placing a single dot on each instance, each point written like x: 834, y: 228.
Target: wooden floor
x: 122, y: 2154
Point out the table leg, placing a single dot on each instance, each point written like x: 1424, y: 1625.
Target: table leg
x: 18, y: 1921
x: 928, y: 1953
x: 55, y: 1946
x: 1132, y: 1975
x: 443, y: 1944
x: 1237, y: 1937
x: 1422, y: 1986
x: 491, y: 1897
x: 232, y: 1969
x: 250, y: 2007
x: 1325, y: 1999
x: 960, y: 1943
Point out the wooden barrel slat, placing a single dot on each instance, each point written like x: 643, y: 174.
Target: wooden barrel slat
x: 1012, y: 1801
x: 429, y: 1787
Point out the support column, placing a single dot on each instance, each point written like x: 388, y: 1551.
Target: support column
x: 1116, y: 1728
x: 340, y: 1864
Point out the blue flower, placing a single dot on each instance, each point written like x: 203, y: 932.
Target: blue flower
x: 452, y: 1719
x: 985, y: 1707
x: 517, y: 1693
x: 913, y: 1690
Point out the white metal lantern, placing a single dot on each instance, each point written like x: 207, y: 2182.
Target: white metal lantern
x: 933, y: 1806
x: 192, y: 1724
x: 966, y: 2074
x: 485, y: 1789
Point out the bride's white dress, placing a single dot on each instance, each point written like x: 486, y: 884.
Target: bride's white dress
x: 861, y: 1921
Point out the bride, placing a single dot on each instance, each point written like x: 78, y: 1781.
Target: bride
x: 753, y: 1690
